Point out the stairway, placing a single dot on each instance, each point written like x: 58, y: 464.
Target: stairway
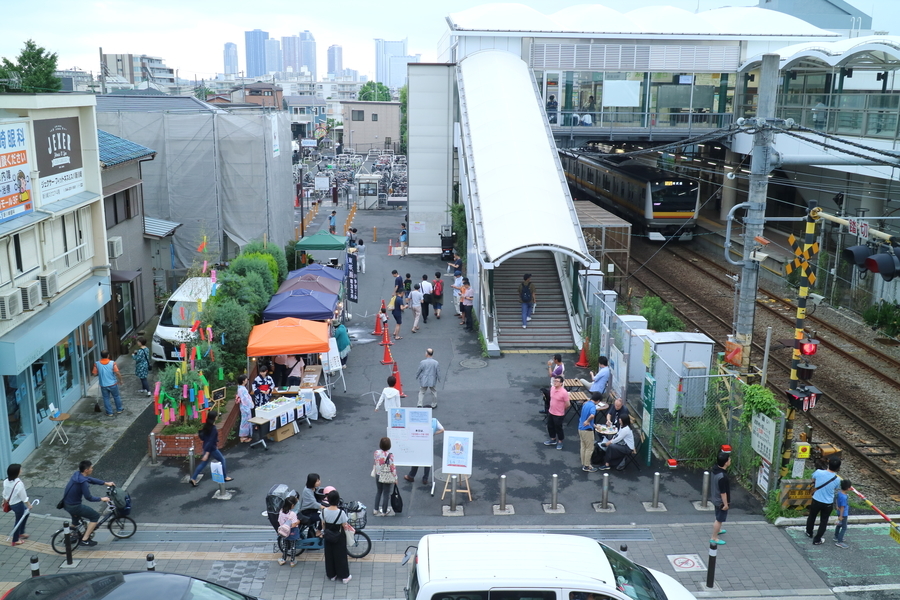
x: 549, y: 327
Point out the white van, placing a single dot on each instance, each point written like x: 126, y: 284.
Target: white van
x: 172, y: 329
x: 531, y: 566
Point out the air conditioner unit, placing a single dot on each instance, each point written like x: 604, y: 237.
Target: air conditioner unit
x: 31, y: 295
x: 114, y: 246
x: 49, y: 284
x: 10, y: 304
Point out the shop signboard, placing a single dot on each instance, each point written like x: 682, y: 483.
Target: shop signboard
x: 16, y: 196
x: 57, y: 145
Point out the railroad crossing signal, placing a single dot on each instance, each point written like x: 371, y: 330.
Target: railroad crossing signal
x: 802, y: 260
x: 885, y: 262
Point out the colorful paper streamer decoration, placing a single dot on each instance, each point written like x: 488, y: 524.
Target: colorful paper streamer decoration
x: 204, y: 267
x: 184, y: 391
x: 221, y: 374
x: 213, y: 290
x: 212, y: 275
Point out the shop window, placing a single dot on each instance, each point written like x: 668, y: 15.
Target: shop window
x: 65, y: 364
x: 16, y: 400
x: 25, y: 251
x: 357, y: 115
x: 40, y: 371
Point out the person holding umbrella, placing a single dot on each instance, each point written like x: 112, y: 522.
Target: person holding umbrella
x: 14, y: 493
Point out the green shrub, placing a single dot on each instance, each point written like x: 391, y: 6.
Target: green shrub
x: 659, y: 315
x: 277, y: 253
x: 261, y: 264
x: 290, y: 256
x: 458, y: 221
x: 249, y: 291
x: 757, y: 399
x: 230, y: 318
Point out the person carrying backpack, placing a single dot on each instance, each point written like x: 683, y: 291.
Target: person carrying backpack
x: 527, y: 298
x: 437, y: 294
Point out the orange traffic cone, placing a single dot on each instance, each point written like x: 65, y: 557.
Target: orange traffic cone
x: 385, y: 337
x: 395, y: 371
x: 583, y: 359
x: 388, y: 359
x: 378, y: 328
x: 390, y: 247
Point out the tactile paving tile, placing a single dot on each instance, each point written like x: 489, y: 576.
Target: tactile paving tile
x: 247, y: 577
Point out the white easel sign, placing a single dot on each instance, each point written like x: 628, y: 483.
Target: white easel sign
x: 457, y: 453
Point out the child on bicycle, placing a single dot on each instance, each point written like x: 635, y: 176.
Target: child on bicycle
x: 289, y: 517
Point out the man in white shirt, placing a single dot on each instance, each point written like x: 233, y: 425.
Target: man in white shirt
x: 415, y: 303
x: 427, y: 289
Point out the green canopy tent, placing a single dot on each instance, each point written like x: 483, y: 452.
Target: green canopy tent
x: 320, y: 242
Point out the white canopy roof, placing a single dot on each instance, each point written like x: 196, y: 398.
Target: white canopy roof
x: 834, y: 53
x: 519, y: 196
x: 663, y: 20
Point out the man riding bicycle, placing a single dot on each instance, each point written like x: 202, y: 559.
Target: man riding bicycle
x: 79, y: 487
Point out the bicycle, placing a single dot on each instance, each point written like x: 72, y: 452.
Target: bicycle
x: 309, y: 540
x: 116, y: 513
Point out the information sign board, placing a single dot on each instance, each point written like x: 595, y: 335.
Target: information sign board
x: 456, y: 458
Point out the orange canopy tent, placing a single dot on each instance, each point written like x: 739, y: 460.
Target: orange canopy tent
x: 288, y: 336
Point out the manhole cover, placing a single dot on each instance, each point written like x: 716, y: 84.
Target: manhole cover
x: 473, y: 363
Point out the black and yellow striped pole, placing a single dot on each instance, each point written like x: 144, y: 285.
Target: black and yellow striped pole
x: 796, y: 394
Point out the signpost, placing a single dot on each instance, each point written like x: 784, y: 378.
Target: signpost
x: 648, y: 394
x: 762, y: 436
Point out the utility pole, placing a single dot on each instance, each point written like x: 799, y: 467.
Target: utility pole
x: 760, y: 166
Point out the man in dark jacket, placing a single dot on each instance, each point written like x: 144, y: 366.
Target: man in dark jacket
x: 79, y: 487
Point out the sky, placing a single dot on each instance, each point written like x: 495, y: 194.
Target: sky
x: 189, y: 35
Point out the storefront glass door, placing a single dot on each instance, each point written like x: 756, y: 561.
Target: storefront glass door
x: 42, y: 375
x: 19, y: 412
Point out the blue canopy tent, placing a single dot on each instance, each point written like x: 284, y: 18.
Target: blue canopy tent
x: 301, y: 304
x: 320, y: 270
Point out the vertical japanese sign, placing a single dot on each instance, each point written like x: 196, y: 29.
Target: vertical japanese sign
x: 352, y: 280
x: 648, y: 396
x: 276, y: 146
x: 16, y: 197
x: 57, y: 146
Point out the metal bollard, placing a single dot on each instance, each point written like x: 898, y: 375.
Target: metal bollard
x: 623, y: 550
x: 503, y: 492
x: 191, y: 459
x: 604, y: 499
x: 655, y: 503
x: 453, y: 493
x: 711, y: 571
x: 704, y: 501
x: 67, y: 537
x: 152, y: 448
x: 554, y: 492
x: 35, y: 566
x: 151, y: 562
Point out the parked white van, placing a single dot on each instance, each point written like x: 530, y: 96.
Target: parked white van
x: 531, y: 566
x: 173, y: 329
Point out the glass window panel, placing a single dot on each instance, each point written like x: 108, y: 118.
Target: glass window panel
x: 65, y: 364
x: 16, y: 388
x: 40, y: 370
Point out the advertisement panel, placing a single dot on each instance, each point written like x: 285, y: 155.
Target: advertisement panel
x: 57, y: 144
x: 15, y: 172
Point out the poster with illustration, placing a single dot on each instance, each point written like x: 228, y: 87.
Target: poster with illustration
x: 457, y: 454
x: 397, y: 418
x: 16, y: 197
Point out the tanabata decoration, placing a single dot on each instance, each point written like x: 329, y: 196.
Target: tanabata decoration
x: 212, y: 292
x: 184, y: 393
x: 195, y: 326
x: 202, y: 334
x: 212, y: 275
x: 202, y: 245
x: 199, y: 305
x: 221, y: 374
x: 204, y: 267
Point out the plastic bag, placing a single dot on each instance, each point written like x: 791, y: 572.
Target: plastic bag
x: 327, y: 409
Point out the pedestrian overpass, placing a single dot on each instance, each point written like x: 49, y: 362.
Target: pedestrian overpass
x: 519, y: 212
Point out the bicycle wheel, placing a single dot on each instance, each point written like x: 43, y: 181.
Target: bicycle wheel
x: 362, y: 545
x: 58, y: 541
x: 122, y: 527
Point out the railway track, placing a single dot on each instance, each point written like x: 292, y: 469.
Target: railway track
x: 880, y: 453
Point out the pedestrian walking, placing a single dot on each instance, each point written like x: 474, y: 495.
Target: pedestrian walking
x: 527, y: 298
x: 436, y: 428
x: 428, y: 375
x: 407, y: 285
x: 107, y: 371
x: 720, y: 495
x: 361, y: 255
x: 404, y: 241
x: 599, y: 382
x: 398, y: 281
x: 385, y: 473
x: 141, y: 358
x: 262, y: 386
x: 332, y: 223
x: 336, y: 564
x: 437, y: 294
x: 586, y: 432
x: 390, y: 395
x: 245, y: 401
x: 288, y: 517
x: 824, y: 484
x: 415, y: 305
x: 468, y: 301
x: 427, y: 290
x: 15, y: 494
x: 209, y: 435
x: 559, y: 404
x: 457, y: 293
x: 397, y: 307
x: 842, y: 506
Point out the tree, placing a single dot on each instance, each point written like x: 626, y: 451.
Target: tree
x: 404, y: 132
x: 374, y: 91
x: 35, y: 66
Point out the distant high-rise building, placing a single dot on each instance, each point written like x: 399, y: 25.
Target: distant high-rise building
x: 308, y: 53
x: 390, y: 62
x: 231, y: 59
x: 255, y: 42
x: 274, y: 58
x: 137, y: 68
x: 351, y: 74
x: 335, y: 60
x: 290, y: 51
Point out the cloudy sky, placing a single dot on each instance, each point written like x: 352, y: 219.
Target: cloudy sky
x: 190, y: 34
